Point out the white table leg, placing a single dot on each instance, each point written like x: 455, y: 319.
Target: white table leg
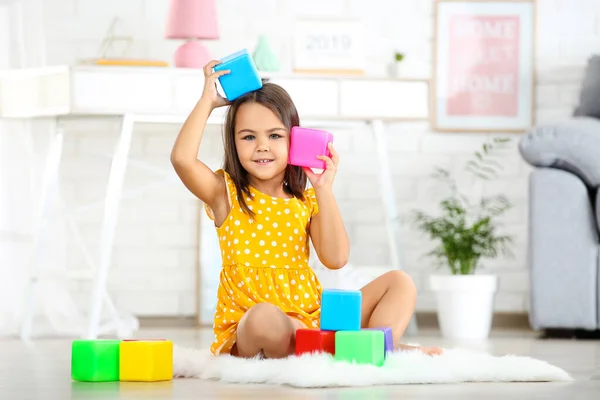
x: 386, y: 183
x: 111, y: 211
x: 49, y: 190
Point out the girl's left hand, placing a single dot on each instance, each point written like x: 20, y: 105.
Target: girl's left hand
x: 325, y: 179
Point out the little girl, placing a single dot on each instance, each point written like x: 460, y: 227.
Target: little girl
x: 264, y: 216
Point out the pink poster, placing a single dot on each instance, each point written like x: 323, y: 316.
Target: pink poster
x: 483, y: 66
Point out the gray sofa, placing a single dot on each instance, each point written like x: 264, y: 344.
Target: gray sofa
x: 564, y: 221
x: 564, y: 216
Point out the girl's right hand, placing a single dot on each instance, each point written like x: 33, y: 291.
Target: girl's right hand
x: 210, y: 93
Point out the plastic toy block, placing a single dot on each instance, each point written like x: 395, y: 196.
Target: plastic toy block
x: 361, y: 347
x: 388, y: 339
x: 306, y: 144
x: 243, y: 76
x: 340, y: 310
x: 315, y: 341
x: 95, y: 360
x: 146, y: 360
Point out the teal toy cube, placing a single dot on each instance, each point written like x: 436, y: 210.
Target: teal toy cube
x: 340, y: 310
x: 360, y: 347
x: 243, y: 76
x: 95, y: 360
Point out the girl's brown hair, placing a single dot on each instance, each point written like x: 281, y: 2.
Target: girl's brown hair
x: 276, y: 99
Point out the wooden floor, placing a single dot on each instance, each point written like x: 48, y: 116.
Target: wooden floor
x: 41, y: 370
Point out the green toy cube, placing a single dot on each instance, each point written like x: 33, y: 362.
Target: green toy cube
x: 361, y: 347
x: 95, y: 360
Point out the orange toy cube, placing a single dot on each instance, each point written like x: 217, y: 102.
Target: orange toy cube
x: 146, y: 360
x: 315, y: 341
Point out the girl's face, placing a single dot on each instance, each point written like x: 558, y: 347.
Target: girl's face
x: 262, y: 141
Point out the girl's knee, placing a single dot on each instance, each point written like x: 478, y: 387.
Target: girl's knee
x: 266, y: 328
x: 401, y: 279
x: 264, y: 321
x: 262, y: 312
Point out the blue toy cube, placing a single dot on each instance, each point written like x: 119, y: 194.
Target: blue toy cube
x: 341, y: 310
x: 388, y: 339
x: 243, y: 76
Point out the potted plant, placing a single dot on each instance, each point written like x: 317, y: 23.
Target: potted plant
x: 465, y: 232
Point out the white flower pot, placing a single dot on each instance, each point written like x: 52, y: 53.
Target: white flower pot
x: 465, y: 304
x: 398, y: 70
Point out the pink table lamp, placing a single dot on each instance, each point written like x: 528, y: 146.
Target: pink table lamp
x: 192, y: 20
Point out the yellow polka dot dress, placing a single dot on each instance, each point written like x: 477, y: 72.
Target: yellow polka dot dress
x: 265, y: 259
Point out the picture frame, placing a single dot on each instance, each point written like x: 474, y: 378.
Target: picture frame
x: 484, y: 65
x: 329, y: 46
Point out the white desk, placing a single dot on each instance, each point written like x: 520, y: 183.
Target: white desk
x: 167, y: 95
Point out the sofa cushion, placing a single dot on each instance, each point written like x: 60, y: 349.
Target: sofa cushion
x: 589, y: 99
x: 572, y: 145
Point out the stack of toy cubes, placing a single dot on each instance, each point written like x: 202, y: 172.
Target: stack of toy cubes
x: 340, y: 333
x: 127, y: 360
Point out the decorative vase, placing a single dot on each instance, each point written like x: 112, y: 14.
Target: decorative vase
x: 465, y: 304
x: 264, y: 57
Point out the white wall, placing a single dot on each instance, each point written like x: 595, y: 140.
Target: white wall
x: 155, y: 255
x: 5, y: 34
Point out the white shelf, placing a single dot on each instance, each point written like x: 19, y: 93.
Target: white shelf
x: 93, y: 90
x: 31, y: 93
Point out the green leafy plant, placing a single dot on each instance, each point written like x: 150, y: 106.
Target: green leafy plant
x: 398, y: 56
x: 466, y: 231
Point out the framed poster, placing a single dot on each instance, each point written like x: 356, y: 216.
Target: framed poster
x: 329, y: 46
x: 483, y: 78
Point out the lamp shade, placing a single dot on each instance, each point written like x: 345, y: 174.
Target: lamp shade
x: 192, y: 19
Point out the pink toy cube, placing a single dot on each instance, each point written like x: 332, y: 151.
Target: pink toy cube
x: 306, y: 144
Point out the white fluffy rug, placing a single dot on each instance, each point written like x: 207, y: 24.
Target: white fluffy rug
x: 407, y: 367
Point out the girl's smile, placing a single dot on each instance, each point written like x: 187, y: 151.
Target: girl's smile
x: 264, y: 161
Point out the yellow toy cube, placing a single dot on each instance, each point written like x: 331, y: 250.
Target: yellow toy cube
x: 146, y: 360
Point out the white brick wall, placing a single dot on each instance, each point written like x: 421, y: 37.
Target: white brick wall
x: 155, y: 252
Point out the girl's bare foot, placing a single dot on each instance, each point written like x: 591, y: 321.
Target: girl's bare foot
x: 430, y: 351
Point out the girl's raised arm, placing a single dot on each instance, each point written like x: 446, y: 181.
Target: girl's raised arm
x: 195, y: 175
